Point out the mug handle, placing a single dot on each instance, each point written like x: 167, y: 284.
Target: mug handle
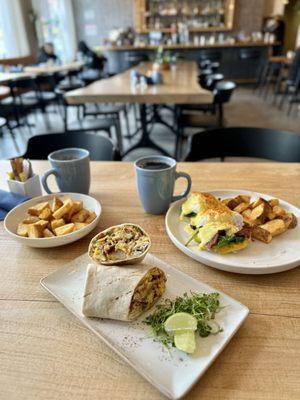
x: 188, y: 188
x: 45, y: 177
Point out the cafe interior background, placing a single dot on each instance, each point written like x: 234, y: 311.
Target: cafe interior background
x: 246, y: 52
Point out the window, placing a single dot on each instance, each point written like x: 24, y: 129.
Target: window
x: 55, y: 23
x: 13, y: 38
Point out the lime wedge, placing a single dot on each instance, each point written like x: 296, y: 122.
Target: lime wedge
x: 180, y: 322
x: 185, y: 341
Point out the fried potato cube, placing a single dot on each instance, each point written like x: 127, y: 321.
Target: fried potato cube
x: 57, y: 203
x: 241, y: 207
x: 257, y: 212
x: 278, y: 211
x: 256, y: 203
x: 273, y: 202
x: 41, y: 223
x: 63, y: 210
x: 46, y: 213
x: 30, y: 219
x: 91, y: 218
x: 22, y: 229
x: 64, y: 230
x: 275, y: 227
x: 38, y: 208
x: 47, y: 233
x: 261, y: 234
x: 81, y: 216
x: 79, y: 225
x: 290, y: 220
x: 35, y: 231
x: 77, y: 206
x: 243, y: 199
x: 56, y: 223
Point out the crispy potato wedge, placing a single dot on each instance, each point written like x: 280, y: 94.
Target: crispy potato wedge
x: 56, y: 223
x: 22, y: 229
x: 63, y: 210
x: 47, y: 233
x: 46, y: 213
x: 30, y: 219
x: 35, y: 231
x: 257, y: 212
x: 79, y: 225
x: 81, y: 216
x: 290, y: 220
x: 230, y: 203
x: 257, y: 202
x: 243, y: 199
x: 76, y: 207
x: 38, y: 208
x: 64, y: 230
x: 91, y: 218
x: 275, y: 227
x: 241, y: 207
x: 273, y: 202
x: 261, y: 234
x: 278, y: 211
x: 57, y: 203
x: 41, y: 223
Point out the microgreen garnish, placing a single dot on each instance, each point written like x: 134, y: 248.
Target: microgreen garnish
x: 201, y: 305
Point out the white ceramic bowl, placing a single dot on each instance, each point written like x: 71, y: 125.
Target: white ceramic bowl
x: 17, y: 214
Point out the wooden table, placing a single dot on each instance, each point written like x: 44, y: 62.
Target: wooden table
x: 47, y: 354
x: 50, y: 69
x: 281, y: 60
x: 180, y: 86
x: 5, y: 77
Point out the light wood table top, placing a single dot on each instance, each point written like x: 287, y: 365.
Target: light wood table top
x: 50, y: 69
x: 281, y: 60
x: 5, y: 77
x: 180, y: 86
x: 47, y: 354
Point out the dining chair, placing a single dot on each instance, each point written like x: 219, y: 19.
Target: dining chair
x: 263, y: 143
x: 101, y: 148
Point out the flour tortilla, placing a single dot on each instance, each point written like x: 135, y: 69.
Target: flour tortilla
x: 109, y: 289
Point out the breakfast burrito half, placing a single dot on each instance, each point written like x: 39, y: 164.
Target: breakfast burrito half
x: 213, y: 225
x: 121, y: 293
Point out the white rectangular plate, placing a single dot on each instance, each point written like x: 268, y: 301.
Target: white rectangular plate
x: 170, y: 371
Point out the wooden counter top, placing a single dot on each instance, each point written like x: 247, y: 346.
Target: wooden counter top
x: 185, y: 46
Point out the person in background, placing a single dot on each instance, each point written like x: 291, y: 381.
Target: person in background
x: 94, y: 64
x: 93, y: 60
x: 275, y: 25
x: 47, y: 53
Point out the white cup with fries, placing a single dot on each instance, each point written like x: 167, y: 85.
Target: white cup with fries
x: 22, y: 180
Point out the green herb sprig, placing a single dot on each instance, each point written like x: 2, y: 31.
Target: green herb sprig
x: 226, y: 240
x: 201, y: 305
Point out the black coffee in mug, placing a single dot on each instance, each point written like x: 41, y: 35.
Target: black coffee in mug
x: 153, y: 165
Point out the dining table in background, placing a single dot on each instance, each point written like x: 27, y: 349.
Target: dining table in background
x: 47, y: 354
x: 180, y: 86
x: 51, y: 69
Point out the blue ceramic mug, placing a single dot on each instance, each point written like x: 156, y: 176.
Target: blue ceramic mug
x: 71, y: 168
x: 155, y: 177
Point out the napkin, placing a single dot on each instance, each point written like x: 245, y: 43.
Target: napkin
x: 8, y: 201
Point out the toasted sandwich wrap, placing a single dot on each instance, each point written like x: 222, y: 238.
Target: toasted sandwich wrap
x: 121, y: 293
x: 213, y: 225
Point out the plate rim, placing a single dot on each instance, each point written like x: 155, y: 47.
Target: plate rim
x: 243, y: 308
x: 226, y: 266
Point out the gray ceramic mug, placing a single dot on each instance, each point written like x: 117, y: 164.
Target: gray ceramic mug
x: 71, y: 168
x: 156, y: 184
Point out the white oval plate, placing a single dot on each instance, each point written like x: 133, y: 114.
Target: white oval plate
x: 282, y: 254
x: 17, y: 214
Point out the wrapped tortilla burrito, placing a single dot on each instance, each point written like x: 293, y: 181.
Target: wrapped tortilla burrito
x: 121, y: 293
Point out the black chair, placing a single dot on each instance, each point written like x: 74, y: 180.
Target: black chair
x: 100, y: 147
x: 245, y: 142
x: 203, y: 76
x: 195, y: 115
x: 212, y: 80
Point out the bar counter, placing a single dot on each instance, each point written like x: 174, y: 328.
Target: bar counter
x: 239, y: 61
